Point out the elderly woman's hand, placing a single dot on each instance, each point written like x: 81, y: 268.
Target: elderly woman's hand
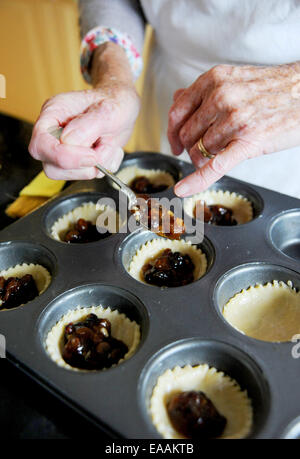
x: 239, y: 113
x: 97, y: 122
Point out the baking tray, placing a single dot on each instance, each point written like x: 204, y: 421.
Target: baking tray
x: 179, y: 326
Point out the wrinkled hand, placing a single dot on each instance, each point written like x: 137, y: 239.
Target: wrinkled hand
x: 97, y: 123
x: 240, y: 113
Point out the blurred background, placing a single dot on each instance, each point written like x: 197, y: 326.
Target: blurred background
x: 39, y: 53
x: 39, y: 56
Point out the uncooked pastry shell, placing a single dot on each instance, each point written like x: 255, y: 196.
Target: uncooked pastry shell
x: 224, y: 392
x: 40, y: 275
x: 154, y: 248
x: 156, y: 176
x: 89, y: 211
x: 122, y: 328
x: 240, y: 206
x: 269, y: 312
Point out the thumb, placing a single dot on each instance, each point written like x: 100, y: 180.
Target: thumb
x: 85, y: 129
x: 110, y: 157
x: 212, y: 171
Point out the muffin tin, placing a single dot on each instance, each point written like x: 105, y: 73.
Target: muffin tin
x: 179, y: 326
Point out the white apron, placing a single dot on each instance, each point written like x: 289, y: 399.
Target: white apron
x: 191, y: 36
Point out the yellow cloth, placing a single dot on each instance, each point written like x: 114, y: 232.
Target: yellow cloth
x: 41, y: 185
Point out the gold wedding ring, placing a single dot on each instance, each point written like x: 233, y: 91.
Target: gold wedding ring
x: 203, y: 150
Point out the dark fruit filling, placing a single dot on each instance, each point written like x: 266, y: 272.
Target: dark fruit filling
x: 143, y: 185
x: 215, y: 214
x: 159, y: 219
x: 194, y: 415
x: 15, y: 291
x: 84, y: 231
x: 88, y: 344
x: 169, y: 270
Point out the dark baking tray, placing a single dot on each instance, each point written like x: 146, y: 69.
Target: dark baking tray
x: 179, y: 326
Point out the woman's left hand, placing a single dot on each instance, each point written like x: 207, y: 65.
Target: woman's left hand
x: 239, y: 113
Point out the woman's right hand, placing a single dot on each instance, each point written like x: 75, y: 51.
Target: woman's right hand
x: 97, y: 124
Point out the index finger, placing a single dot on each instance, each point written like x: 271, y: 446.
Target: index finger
x: 46, y: 148
x: 212, y: 171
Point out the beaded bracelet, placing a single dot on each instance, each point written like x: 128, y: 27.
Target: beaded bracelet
x: 99, y: 35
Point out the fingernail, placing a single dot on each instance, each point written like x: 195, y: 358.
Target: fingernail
x: 116, y: 160
x: 115, y: 164
x: 182, y: 189
x: 110, y: 164
x: 100, y: 175
x: 88, y: 161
